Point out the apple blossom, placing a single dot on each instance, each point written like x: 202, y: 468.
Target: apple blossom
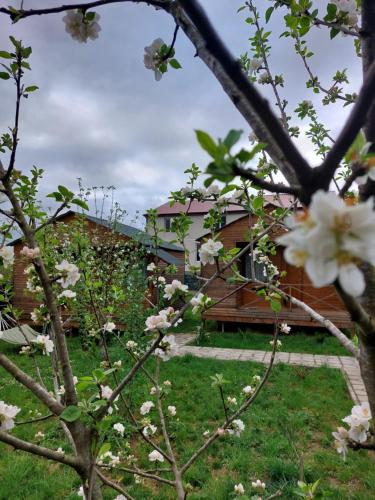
x: 80, y: 28
x: 149, y: 430
x: 70, y: 274
x: 209, y: 250
x: 341, y: 441
x: 119, y: 428
x: 167, y: 383
x: 158, y: 322
x: 69, y: 294
x: 331, y: 240
x: 200, y: 302
x: 30, y: 253
x: 284, y: 328
x: 7, y: 254
x: 239, y: 489
x: 117, y: 364
x: 146, y: 407
x: 172, y: 410
x: 278, y: 343
x: 130, y: 344
x: 258, y: 485
x: 237, y: 428
x: 39, y: 435
x: 155, y: 456
x: 153, y: 391
x: 231, y: 401
x: 106, y: 391
x: 248, y: 390
x: 45, y: 343
x: 7, y: 415
x: 109, y: 326
x: 152, y: 58
x: 172, y: 288
x: 214, y: 189
x: 151, y: 267
x: 168, y: 348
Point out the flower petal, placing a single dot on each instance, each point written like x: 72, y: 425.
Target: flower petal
x: 352, y: 280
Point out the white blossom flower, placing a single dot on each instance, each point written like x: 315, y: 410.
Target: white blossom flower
x: 214, y: 189
x: 109, y: 326
x: 167, y: 348
x: 278, y: 343
x: 130, y: 344
x: 255, y: 63
x: 24, y: 349
x: 151, y: 267
x: 248, y: 390
x: 155, y: 456
x: 331, y: 240
x: 117, y: 364
x: 172, y: 410
x: 258, y: 485
x: 106, y: 391
x: 200, y: 302
x: 81, y: 492
x: 7, y: 415
x: 231, y: 401
x: 237, y: 428
x: 173, y: 287
x: 358, y: 428
x: 152, y: 58
x: 79, y: 28
x: 167, y: 383
x: 146, y: 407
x: 7, y: 254
x: 119, y: 428
x: 153, y: 391
x: 149, y: 430
x: 39, y: 435
x: 239, y: 489
x: 362, y: 411
x: 69, y: 294
x: 209, y: 250
x: 60, y: 450
x: 70, y: 274
x: 341, y: 441
x: 120, y: 497
x: 284, y: 328
x: 161, y: 280
x: 30, y: 253
x: 45, y: 343
x: 158, y: 322
x: 256, y: 379
x: 263, y: 78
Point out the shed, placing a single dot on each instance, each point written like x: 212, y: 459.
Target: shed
x: 165, y: 254
x: 245, y: 306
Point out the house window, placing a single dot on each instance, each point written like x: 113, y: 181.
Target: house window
x: 197, y: 256
x: 252, y: 269
x: 167, y: 223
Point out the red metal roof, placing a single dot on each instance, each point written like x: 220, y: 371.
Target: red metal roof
x: 202, y: 207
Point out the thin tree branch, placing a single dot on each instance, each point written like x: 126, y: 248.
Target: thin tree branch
x: 325, y: 172
x: 20, y: 444
x: 269, y: 186
x: 108, y: 482
x: 30, y: 383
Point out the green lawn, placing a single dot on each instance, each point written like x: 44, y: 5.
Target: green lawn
x: 298, y: 408
x: 317, y: 342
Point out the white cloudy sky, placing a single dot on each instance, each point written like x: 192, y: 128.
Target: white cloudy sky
x: 100, y: 115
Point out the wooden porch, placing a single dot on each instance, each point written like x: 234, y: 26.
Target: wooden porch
x: 246, y: 307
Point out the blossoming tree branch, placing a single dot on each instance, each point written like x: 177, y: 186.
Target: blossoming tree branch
x: 332, y: 237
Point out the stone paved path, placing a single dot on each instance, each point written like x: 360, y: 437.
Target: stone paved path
x: 347, y: 364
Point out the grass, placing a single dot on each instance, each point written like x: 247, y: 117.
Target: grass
x: 317, y: 342
x: 298, y: 409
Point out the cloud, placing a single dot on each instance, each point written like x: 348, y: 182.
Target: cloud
x: 100, y: 115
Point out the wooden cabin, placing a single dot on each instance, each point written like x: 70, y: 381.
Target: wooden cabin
x: 165, y: 255
x: 245, y: 306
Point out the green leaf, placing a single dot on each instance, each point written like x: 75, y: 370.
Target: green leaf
x: 80, y: 203
x: 104, y: 449
x: 4, y: 76
x: 175, y: 64
x: 65, y: 192
x: 275, y: 305
x: 5, y: 55
x: 232, y: 138
x: 269, y: 13
x: 90, y: 16
x: 206, y: 142
x: 32, y: 88
x: 71, y: 413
